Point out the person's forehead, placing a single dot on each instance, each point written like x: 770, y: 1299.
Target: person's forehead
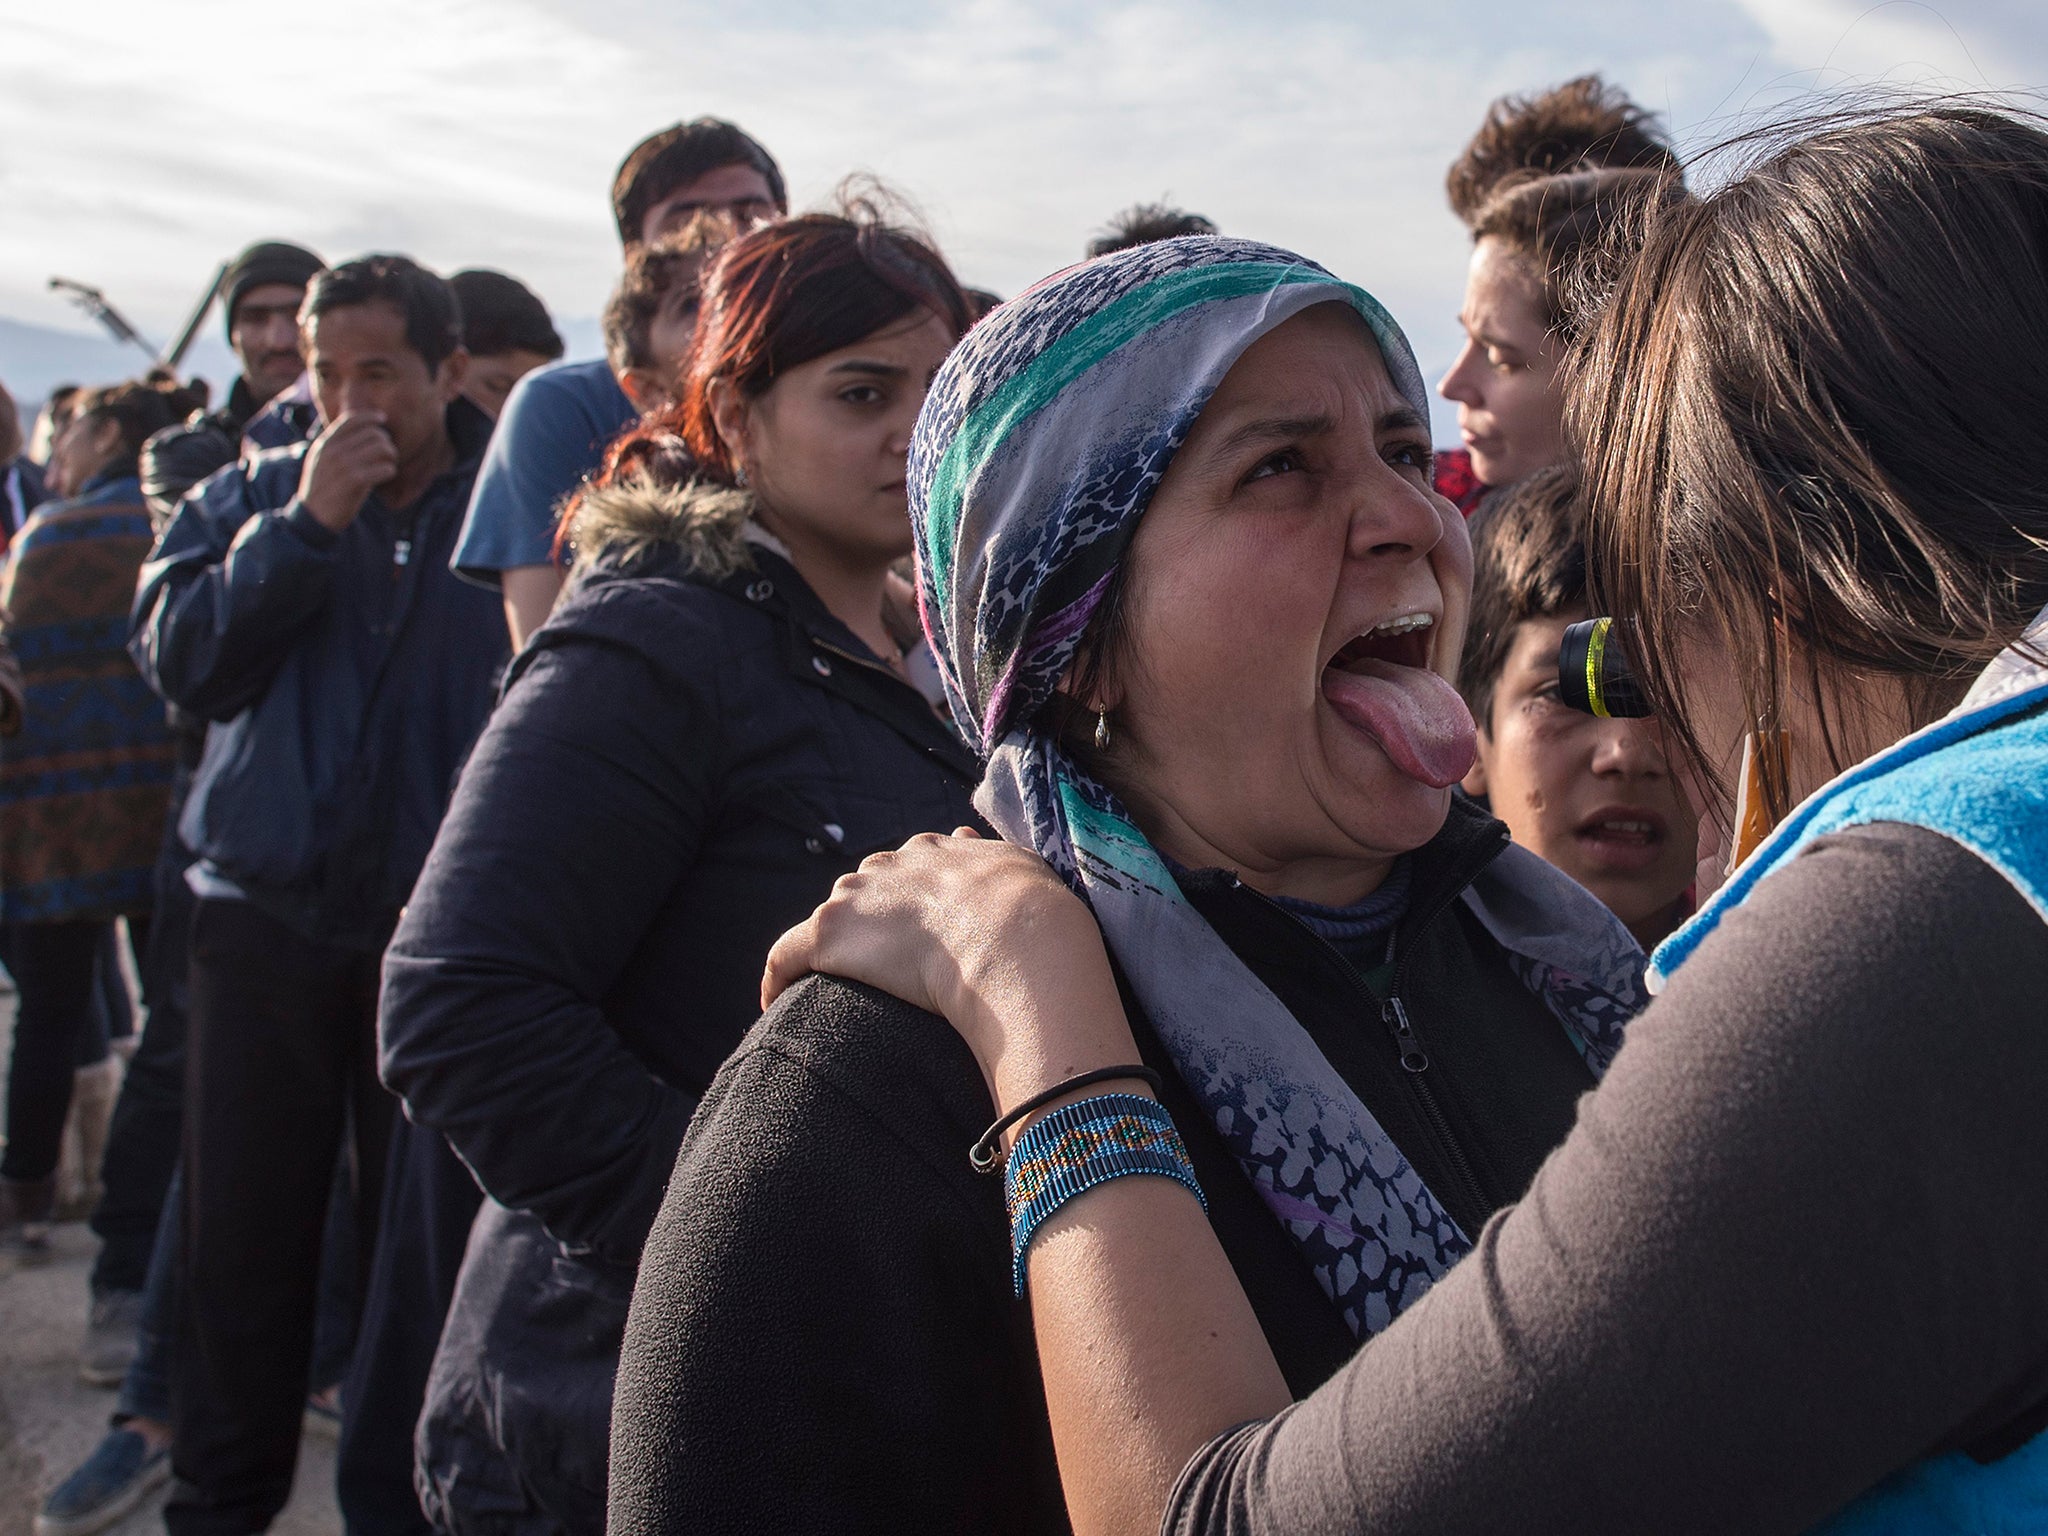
x: 374, y: 326
x: 722, y: 183
x: 1501, y: 291
x: 1537, y: 638
x: 267, y: 298
x: 1319, y: 362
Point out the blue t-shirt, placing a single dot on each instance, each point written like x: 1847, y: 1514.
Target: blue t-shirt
x: 557, y: 423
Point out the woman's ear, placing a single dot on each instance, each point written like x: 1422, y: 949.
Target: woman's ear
x: 731, y: 416
x: 1088, y: 686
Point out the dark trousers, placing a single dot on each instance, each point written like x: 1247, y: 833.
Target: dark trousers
x: 430, y: 1200
x: 142, y: 1140
x: 59, y: 1009
x: 146, y: 1388
x: 280, y: 1067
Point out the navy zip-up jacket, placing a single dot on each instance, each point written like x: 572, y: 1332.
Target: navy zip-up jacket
x: 346, y: 676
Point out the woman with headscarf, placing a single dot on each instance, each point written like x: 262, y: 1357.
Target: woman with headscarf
x: 1789, y: 1272
x: 1195, y: 605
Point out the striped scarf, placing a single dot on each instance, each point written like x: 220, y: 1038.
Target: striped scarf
x: 1040, y: 445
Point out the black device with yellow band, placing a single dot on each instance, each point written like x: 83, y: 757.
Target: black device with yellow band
x: 1593, y: 673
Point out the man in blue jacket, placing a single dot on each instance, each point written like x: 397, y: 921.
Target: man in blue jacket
x: 302, y: 602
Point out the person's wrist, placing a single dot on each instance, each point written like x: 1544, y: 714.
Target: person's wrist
x: 325, y: 509
x: 1062, y: 1036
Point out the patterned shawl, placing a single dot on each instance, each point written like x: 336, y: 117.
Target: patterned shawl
x: 1040, y: 445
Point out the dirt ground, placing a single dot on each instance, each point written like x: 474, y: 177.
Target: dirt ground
x: 49, y: 1419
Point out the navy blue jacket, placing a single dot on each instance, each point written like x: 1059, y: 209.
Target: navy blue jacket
x: 345, y: 675
x: 680, y: 769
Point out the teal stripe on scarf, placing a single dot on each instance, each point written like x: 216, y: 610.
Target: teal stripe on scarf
x: 1038, y: 451
x: 1029, y: 391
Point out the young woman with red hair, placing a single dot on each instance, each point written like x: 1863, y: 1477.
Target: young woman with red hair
x: 716, y: 723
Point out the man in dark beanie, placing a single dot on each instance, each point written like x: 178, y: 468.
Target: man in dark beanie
x: 559, y: 420
x: 508, y: 333
x: 261, y: 292
x: 260, y: 295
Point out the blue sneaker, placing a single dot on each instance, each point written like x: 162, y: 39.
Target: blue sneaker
x: 120, y: 1473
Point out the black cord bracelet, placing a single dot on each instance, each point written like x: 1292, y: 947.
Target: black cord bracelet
x: 983, y: 1156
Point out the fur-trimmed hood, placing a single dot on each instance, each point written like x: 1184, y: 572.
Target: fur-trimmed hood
x: 624, y: 522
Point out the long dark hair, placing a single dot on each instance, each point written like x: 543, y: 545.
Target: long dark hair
x: 1814, y: 412
x: 140, y: 408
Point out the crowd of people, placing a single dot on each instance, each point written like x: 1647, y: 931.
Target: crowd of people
x: 1253, y: 1040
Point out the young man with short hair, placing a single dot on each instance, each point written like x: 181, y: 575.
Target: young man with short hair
x: 302, y: 602
x: 559, y: 420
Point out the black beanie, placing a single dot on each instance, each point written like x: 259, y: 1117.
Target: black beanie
x: 271, y: 261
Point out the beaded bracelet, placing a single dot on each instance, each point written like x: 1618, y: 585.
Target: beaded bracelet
x: 1081, y: 1145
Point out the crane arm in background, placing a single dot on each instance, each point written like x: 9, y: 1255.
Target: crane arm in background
x: 95, y: 304
x: 175, y: 353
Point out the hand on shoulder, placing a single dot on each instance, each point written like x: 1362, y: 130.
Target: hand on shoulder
x: 983, y: 933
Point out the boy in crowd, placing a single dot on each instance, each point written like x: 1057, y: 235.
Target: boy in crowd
x: 261, y: 292
x: 1595, y: 797
x: 507, y: 332
x: 653, y: 312
x: 302, y: 602
x: 559, y: 420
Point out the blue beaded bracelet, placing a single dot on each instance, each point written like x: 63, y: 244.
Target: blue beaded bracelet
x: 1079, y: 1146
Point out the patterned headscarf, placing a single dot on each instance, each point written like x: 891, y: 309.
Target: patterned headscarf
x: 1040, y: 445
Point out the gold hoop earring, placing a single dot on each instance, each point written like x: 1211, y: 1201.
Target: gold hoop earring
x: 1101, y: 730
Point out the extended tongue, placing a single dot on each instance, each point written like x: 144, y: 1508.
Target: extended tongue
x: 1417, y: 718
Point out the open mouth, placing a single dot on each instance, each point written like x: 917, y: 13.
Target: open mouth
x: 1621, y: 840
x: 1380, y: 682
x: 1625, y: 827
x: 1401, y: 642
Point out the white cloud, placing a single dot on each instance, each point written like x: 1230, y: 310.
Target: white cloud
x: 1907, y: 44
x: 141, y: 142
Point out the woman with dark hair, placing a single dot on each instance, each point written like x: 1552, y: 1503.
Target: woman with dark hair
x: 85, y: 783
x: 1543, y: 247
x: 718, y: 720
x: 1544, y: 182
x: 1789, y: 1272
x: 1196, y: 609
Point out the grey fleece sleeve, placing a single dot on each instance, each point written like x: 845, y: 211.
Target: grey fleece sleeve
x: 1797, y: 1239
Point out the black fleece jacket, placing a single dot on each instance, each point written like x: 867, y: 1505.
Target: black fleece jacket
x: 824, y: 1337
x: 679, y: 770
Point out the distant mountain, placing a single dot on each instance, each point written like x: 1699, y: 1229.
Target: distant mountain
x: 34, y: 359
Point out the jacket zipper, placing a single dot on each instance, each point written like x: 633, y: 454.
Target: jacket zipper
x: 860, y: 661
x: 1414, y: 1055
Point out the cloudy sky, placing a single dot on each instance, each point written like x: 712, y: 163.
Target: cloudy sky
x: 141, y: 142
